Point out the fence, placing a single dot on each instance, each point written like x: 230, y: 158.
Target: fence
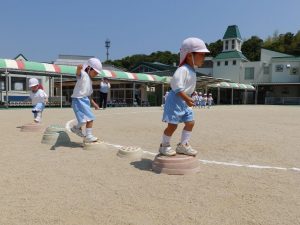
x: 282, y: 100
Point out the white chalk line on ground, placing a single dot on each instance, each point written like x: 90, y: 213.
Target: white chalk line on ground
x: 235, y: 164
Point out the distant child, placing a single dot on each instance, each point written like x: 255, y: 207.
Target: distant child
x: 178, y: 104
x: 200, y: 99
x: 38, y: 98
x: 204, y: 101
x: 210, y: 100
x: 81, y: 101
x: 195, y: 98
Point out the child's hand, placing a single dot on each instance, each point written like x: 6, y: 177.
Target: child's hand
x: 96, y: 107
x: 79, y: 68
x: 190, y: 102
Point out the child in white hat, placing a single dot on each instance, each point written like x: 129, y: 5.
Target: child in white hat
x: 38, y: 98
x: 178, y: 104
x: 81, y: 101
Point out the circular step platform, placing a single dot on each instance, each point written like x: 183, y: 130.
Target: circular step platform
x: 175, y: 165
x: 55, y: 135
x: 32, y: 127
x: 130, y: 152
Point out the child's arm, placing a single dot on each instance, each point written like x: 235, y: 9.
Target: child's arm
x: 189, y: 101
x: 78, y: 70
x: 96, y: 106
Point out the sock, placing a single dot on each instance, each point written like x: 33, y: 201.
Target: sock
x: 165, y: 139
x: 185, y: 136
x: 88, y: 131
x: 38, y: 117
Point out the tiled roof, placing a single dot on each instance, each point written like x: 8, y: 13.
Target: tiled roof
x: 232, y: 32
x: 231, y: 55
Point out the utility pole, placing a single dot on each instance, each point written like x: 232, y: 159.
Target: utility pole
x: 107, y: 46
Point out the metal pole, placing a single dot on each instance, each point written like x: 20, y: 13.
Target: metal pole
x: 133, y: 93
x: 162, y: 94
x: 0, y: 89
x: 231, y: 96
x: 256, y: 93
x: 60, y: 90
x: 6, y: 87
x: 50, y: 91
x: 218, y: 96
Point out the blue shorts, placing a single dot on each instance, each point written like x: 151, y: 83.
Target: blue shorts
x: 39, y: 107
x: 176, y: 110
x: 82, y: 110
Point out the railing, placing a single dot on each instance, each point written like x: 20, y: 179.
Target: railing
x: 282, y: 100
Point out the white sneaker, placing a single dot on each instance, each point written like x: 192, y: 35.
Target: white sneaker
x: 166, y: 149
x: 77, y: 131
x: 185, y: 149
x: 90, y: 139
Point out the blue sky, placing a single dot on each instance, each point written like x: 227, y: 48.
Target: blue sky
x: 42, y: 29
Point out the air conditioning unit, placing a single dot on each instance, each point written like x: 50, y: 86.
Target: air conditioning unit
x: 294, y: 71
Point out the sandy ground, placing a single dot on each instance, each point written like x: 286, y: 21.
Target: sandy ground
x: 71, y: 186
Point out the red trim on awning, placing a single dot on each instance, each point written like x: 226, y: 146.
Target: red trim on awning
x: 56, y: 68
x: 135, y: 76
x: 20, y: 64
x: 113, y: 74
x: 152, y: 77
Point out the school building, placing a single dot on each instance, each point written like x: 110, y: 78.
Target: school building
x: 127, y: 89
x: 276, y: 77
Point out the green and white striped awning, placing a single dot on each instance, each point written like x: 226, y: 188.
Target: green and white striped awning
x: 47, y: 69
x: 232, y: 85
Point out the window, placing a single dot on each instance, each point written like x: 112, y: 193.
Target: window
x: 218, y: 63
x: 293, y: 70
x: 2, y: 83
x: 266, y: 70
x: 226, y: 45
x: 238, y: 44
x: 279, y: 68
x: 232, y: 44
x: 234, y: 62
x: 249, y: 73
x: 226, y: 63
x: 18, y: 84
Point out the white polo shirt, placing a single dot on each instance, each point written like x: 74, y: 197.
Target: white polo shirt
x: 184, y: 79
x: 83, y: 86
x: 38, y: 97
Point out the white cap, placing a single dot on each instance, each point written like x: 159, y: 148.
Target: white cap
x: 94, y: 63
x: 189, y: 45
x: 33, y: 82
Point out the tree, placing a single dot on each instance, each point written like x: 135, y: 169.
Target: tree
x: 251, y: 48
x: 215, y: 48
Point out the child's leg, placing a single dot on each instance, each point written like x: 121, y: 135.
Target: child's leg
x: 89, y: 134
x: 89, y: 124
x: 183, y: 147
x: 38, y: 117
x: 165, y: 147
x: 170, y: 129
x: 187, y: 132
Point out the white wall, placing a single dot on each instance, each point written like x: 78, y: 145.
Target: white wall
x: 231, y: 72
x: 285, y: 75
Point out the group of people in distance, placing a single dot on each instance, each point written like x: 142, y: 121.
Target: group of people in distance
x: 177, y: 108
x: 201, y: 101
